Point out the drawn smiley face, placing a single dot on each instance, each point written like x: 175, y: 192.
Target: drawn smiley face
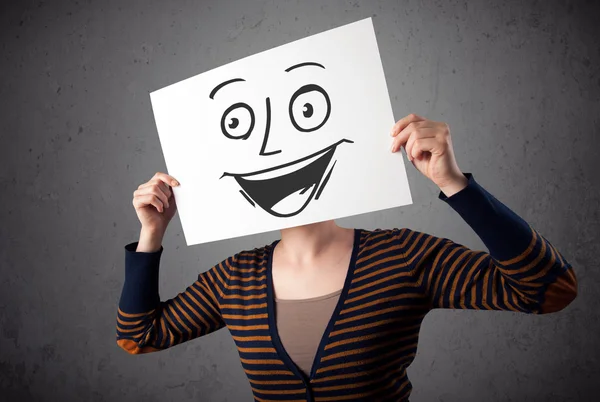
x: 286, y: 189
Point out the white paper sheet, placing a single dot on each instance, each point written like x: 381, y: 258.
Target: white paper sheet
x: 293, y: 135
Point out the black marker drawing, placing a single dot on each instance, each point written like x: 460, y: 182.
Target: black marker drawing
x: 281, y: 190
x: 221, y: 85
x: 266, y: 137
x: 232, y: 115
x: 309, y: 108
x: 308, y: 63
x: 267, y: 189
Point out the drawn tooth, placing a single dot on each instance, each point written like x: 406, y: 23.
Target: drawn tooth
x: 292, y: 202
x: 282, y: 171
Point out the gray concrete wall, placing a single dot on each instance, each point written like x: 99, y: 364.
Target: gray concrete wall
x: 517, y: 81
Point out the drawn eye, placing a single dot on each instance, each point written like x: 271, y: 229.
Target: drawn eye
x: 237, y: 121
x: 309, y: 108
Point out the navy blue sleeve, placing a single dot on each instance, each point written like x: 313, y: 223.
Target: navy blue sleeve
x: 522, y: 272
x: 147, y: 324
x: 140, y: 289
x: 503, y: 232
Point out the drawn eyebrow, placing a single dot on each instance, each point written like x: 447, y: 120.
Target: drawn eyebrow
x: 221, y: 85
x: 308, y: 63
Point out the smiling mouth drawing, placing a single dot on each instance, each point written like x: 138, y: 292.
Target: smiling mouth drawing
x: 283, y: 190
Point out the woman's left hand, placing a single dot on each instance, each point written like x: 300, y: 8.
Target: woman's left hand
x: 429, y: 147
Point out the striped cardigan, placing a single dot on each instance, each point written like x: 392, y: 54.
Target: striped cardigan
x: 396, y: 276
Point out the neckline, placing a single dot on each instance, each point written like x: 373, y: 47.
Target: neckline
x: 272, y: 323
x: 309, y: 299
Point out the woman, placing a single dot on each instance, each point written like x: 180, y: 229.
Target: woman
x: 329, y: 313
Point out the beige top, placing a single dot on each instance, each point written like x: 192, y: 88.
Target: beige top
x: 301, y: 324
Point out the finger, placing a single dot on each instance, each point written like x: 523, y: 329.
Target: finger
x: 157, y: 191
x: 403, y: 122
x: 164, y: 187
x: 402, y: 138
x: 144, y: 200
x: 153, y: 189
x: 403, y: 135
x: 422, y: 133
x: 421, y: 145
x: 169, y: 180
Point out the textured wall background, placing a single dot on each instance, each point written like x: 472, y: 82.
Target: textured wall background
x: 517, y: 81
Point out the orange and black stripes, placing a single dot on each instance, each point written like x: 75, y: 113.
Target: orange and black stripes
x: 394, y: 279
x: 190, y: 314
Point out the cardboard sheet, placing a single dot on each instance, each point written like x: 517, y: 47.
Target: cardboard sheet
x: 293, y: 135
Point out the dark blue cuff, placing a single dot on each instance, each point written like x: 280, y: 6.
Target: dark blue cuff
x: 504, y: 233
x: 140, y: 290
x: 471, y: 184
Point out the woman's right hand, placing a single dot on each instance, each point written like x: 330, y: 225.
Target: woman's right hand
x: 154, y: 202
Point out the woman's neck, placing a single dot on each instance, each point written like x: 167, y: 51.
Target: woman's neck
x: 303, y: 244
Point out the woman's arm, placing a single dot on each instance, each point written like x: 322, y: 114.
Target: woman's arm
x: 146, y: 324
x: 522, y: 272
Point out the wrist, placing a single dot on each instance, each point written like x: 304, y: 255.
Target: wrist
x: 455, y: 185
x: 150, y: 240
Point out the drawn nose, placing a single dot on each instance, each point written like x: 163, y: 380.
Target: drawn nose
x: 263, y: 149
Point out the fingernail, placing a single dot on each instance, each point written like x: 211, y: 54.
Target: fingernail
x: 175, y: 182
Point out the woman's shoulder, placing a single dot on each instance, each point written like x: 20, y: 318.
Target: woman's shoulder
x: 376, y: 240
x: 375, y: 235
x: 248, y: 258
x: 397, y: 233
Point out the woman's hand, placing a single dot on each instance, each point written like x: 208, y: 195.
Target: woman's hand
x: 154, y: 203
x: 429, y: 147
